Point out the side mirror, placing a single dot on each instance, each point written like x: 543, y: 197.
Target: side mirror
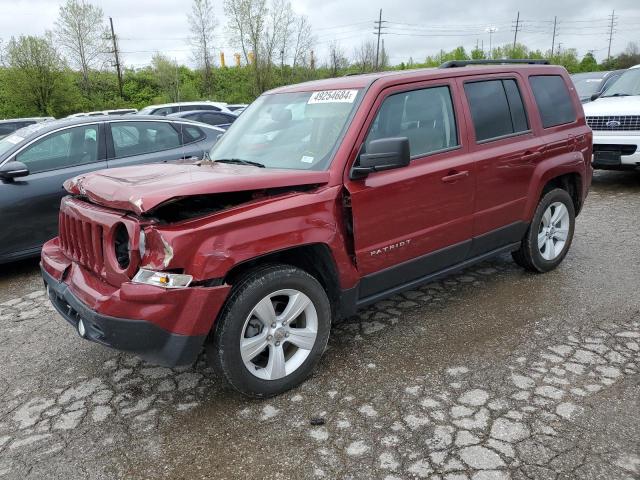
x: 11, y: 170
x: 382, y: 154
x: 595, y: 96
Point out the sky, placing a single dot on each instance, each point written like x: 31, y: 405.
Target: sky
x: 413, y: 28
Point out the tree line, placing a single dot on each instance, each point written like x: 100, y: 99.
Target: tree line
x: 70, y: 69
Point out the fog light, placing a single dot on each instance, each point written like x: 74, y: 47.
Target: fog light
x: 162, y: 279
x: 81, y: 330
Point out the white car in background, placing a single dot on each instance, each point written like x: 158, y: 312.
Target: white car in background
x: 99, y: 113
x: 615, y: 121
x: 168, y: 108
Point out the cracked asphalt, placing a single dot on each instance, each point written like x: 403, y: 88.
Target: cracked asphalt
x: 492, y: 373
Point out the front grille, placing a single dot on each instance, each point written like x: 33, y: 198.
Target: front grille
x: 81, y: 241
x: 614, y: 122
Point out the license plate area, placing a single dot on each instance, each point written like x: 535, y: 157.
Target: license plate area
x: 607, y: 157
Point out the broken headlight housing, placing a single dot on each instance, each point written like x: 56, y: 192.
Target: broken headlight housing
x: 162, y: 279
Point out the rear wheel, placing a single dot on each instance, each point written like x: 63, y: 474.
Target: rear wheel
x: 272, y: 331
x: 549, y: 236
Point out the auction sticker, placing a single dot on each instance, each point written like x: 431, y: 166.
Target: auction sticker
x: 333, y: 96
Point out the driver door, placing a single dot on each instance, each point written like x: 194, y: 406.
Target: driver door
x: 416, y: 220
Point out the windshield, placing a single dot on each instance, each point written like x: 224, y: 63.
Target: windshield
x: 587, y: 83
x: 288, y: 130
x: 627, y: 84
x: 145, y: 111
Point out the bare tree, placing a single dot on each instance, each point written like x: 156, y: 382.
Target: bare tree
x: 365, y: 56
x: 35, y: 71
x: 81, y: 33
x: 264, y: 34
x: 302, y: 42
x: 337, y: 59
x: 202, y: 23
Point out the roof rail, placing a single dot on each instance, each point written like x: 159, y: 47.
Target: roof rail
x: 464, y: 63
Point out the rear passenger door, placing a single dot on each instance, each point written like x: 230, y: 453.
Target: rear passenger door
x: 138, y: 142
x: 413, y: 221
x: 506, y: 153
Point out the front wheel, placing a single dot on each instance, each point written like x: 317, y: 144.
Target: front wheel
x: 549, y: 236
x: 272, y: 331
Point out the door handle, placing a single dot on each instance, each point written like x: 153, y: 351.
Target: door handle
x: 454, y: 176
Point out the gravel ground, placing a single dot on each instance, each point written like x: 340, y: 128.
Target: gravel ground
x: 489, y: 374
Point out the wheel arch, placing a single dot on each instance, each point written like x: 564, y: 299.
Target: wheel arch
x: 316, y: 259
x: 560, y: 174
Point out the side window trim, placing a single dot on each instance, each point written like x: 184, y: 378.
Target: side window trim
x: 484, y: 141
x: 414, y: 88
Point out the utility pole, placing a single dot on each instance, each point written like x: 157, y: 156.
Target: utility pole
x: 611, y: 25
x: 115, y: 52
x: 378, y: 32
x: 491, y: 30
x: 515, y: 33
x: 553, y: 40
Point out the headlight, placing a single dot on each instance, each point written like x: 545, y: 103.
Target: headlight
x: 162, y: 279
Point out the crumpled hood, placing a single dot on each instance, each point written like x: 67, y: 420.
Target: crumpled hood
x: 140, y: 189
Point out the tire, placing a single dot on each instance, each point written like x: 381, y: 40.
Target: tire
x: 247, y: 318
x: 542, y: 249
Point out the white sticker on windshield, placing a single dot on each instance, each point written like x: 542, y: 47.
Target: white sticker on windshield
x: 306, y: 159
x: 333, y: 96
x: 15, y: 139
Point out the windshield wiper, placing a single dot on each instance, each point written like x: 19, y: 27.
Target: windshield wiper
x: 617, y: 95
x: 239, y: 161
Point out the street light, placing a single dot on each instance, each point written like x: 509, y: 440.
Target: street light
x: 491, y: 30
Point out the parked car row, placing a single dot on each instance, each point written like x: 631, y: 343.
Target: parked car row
x: 36, y: 160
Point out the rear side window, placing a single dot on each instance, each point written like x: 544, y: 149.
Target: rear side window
x: 190, y: 133
x: 136, y: 138
x: 424, y: 116
x: 496, y: 108
x: 553, y: 100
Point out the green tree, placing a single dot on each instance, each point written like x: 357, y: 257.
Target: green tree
x: 588, y: 63
x: 35, y: 73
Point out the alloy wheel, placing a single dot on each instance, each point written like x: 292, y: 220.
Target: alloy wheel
x: 553, y: 231
x: 279, y: 334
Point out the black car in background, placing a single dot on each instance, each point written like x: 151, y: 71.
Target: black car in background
x: 219, y: 119
x: 36, y: 160
x: 7, y: 127
x: 590, y: 85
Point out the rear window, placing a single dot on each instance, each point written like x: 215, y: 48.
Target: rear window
x: 553, y: 100
x: 496, y: 108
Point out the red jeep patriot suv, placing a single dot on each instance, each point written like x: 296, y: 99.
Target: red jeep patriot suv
x: 321, y: 198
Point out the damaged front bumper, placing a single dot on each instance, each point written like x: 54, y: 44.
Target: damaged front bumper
x: 163, y: 327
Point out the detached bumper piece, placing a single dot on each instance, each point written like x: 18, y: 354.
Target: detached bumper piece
x: 140, y: 337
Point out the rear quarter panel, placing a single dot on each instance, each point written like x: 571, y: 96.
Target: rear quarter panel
x: 566, y: 148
